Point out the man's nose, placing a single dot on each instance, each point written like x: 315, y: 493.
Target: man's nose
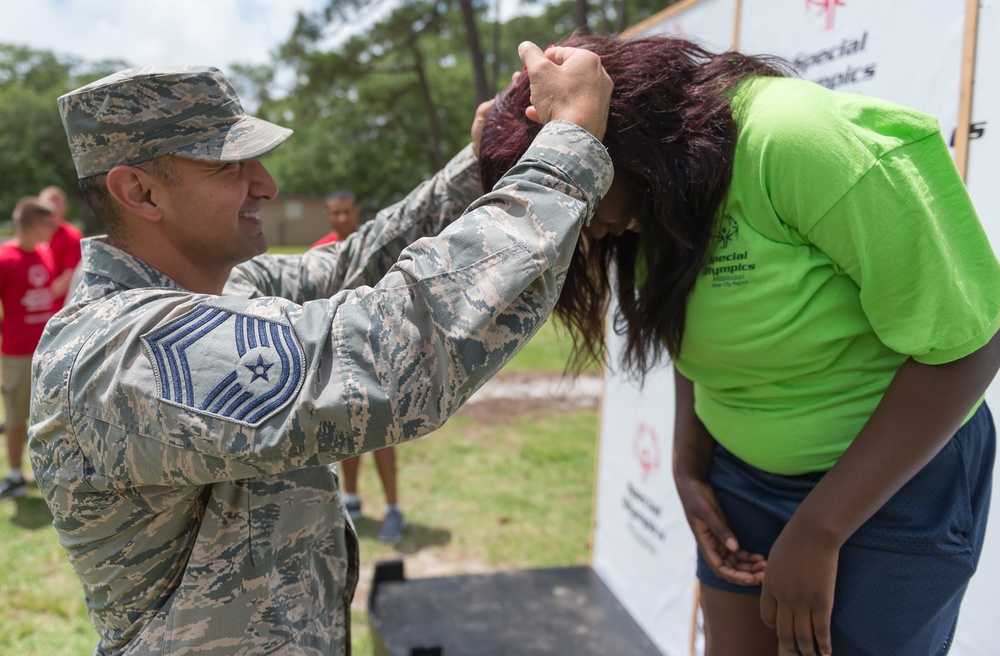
x: 262, y: 185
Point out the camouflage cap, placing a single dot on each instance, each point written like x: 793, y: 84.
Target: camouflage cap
x: 138, y: 114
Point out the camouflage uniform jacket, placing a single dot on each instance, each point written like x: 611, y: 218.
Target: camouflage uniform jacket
x: 184, y: 441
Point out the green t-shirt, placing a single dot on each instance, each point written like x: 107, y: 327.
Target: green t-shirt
x: 847, y: 242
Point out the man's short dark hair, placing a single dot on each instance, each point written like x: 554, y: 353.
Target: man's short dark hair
x: 105, y: 207
x: 31, y: 210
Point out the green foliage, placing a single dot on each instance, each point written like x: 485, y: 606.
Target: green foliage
x: 376, y: 109
x: 33, y: 149
x: 380, y: 111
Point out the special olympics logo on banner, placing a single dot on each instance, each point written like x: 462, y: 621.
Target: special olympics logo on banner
x: 646, y: 448
x: 674, y: 28
x: 826, y: 9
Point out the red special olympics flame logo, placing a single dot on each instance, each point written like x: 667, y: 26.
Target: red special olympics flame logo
x: 674, y: 29
x: 646, y: 448
x: 827, y: 9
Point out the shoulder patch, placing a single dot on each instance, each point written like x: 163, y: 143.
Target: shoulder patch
x: 225, y: 364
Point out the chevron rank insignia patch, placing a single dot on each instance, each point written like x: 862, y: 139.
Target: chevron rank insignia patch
x: 228, y: 365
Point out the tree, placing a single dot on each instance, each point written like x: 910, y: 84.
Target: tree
x: 383, y: 110
x: 582, y: 14
x: 475, y: 50
x: 33, y: 148
x: 379, y: 111
x: 376, y: 109
x: 253, y: 83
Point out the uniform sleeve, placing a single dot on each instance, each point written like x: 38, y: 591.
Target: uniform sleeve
x: 366, y: 255
x: 200, y: 389
x: 906, y: 232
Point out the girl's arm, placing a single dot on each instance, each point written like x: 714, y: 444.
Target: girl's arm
x: 922, y: 408
x: 693, y: 446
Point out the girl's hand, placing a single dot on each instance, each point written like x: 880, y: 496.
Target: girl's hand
x: 693, y: 453
x: 716, y: 542
x: 797, y: 597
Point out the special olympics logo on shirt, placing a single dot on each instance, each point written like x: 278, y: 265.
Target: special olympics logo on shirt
x: 826, y: 9
x: 646, y: 448
x: 38, y: 275
x: 725, y: 231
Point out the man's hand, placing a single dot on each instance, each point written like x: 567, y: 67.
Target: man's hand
x: 567, y: 84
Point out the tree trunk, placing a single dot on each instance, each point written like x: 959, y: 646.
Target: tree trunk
x: 623, y: 15
x: 475, y: 51
x: 495, y: 82
x: 581, y: 13
x: 437, y: 157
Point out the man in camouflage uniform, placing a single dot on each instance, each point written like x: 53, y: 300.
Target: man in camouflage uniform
x: 183, y: 434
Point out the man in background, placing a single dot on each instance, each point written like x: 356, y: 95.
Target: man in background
x: 342, y: 213
x: 27, y: 269
x: 65, y: 243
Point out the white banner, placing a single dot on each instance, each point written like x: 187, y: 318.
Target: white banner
x: 643, y: 548
x: 710, y: 23
x: 980, y: 615
x: 907, y: 52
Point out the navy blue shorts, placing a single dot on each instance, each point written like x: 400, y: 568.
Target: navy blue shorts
x: 902, y: 575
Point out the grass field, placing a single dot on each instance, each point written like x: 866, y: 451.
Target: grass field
x: 516, y: 494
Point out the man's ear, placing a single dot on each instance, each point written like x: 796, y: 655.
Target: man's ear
x: 133, y: 189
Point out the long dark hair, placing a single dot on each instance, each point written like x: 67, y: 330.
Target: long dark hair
x: 672, y: 137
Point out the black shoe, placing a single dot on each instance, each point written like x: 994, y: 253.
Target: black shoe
x: 14, y: 488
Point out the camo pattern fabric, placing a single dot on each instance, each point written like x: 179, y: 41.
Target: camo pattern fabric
x: 205, y: 527
x: 138, y: 114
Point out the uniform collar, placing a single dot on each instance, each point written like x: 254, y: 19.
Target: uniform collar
x: 105, y: 261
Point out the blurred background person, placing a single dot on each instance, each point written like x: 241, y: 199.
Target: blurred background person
x: 27, y: 270
x: 342, y: 213
x: 65, y: 244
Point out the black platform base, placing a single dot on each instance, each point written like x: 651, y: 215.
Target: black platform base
x: 564, y: 611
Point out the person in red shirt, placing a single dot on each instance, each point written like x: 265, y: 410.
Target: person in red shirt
x: 344, y: 216
x: 65, y: 243
x: 342, y: 213
x: 27, y: 271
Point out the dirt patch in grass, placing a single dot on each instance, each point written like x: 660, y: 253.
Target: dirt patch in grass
x: 508, y: 395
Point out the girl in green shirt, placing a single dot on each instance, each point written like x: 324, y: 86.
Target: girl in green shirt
x: 812, y: 265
